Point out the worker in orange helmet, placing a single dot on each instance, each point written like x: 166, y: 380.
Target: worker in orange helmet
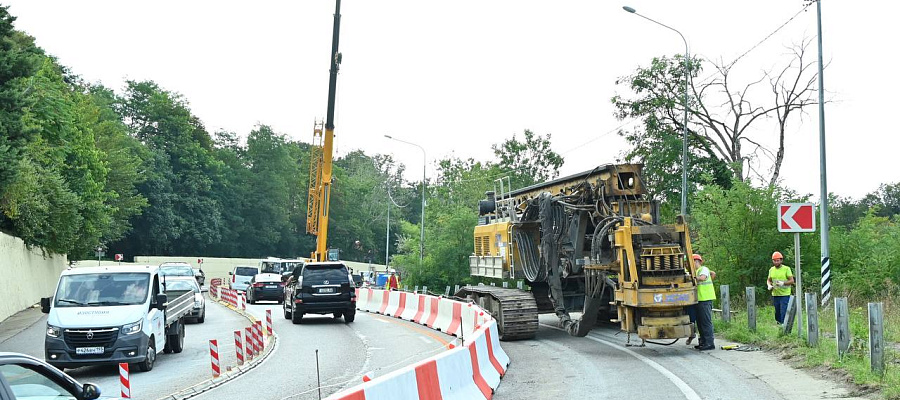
x: 706, y: 293
x: 779, y: 282
x: 692, y: 309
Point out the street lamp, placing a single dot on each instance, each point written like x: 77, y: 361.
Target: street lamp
x: 424, y: 164
x: 684, y: 150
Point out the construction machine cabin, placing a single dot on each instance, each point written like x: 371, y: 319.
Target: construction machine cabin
x: 589, y: 243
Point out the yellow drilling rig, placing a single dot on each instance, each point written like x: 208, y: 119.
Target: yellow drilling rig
x: 590, y: 243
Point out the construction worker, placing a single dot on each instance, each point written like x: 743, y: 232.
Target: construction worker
x: 706, y: 293
x: 393, y: 282
x: 779, y: 282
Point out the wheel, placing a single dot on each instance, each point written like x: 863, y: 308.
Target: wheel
x: 287, y: 313
x: 147, y: 364
x: 296, y: 317
x: 338, y: 314
x: 349, y: 317
x: 202, y: 316
x: 176, y: 341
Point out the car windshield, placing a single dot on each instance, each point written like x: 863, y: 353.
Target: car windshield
x: 176, y: 271
x: 181, y: 284
x: 102, y: 289
x: 331, y: 273
x: 245, y: 271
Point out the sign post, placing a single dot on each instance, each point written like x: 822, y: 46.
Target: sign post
x: 119, y: 257
x: 796, y: 218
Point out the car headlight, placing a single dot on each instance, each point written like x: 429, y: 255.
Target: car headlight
x: 53, y: 331
x: 133, y: 328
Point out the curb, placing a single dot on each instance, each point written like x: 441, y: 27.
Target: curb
x: 231, y: 372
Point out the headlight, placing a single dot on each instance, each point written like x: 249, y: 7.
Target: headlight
x: 52, y: 331
x: 132, y: 328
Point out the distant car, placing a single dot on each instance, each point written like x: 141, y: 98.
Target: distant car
x: 199, y: 276
x: 26, y: 377
x: 176, y: 269
x: 241, y: 276
x: 198, y: 312
x: 266, y: 286
x: 320, y: 288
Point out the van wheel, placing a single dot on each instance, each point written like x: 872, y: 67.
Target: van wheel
x: 147, y: 364
x: 296, y: 317
x: 176, y: 341
x: 202, y: 317
x: 349, y: 317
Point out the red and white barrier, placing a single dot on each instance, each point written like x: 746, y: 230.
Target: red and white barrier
x: 214, y: 357
x: 124, y: 381
x: 244, y: 301
x: 269, y: 322
x: 258, y: 337
x: 238, y: 347
x: 248, y: 343
x: 471, y: 371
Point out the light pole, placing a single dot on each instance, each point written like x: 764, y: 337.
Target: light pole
x: 424, y: 164
x: 684, y: 149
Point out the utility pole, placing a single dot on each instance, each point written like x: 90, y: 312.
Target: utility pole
x: 823, y: 212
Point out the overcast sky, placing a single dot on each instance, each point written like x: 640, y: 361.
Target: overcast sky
x: 456, y: 77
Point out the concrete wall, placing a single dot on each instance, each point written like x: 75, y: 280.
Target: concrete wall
x: 25, y: 275
x: 219, y: 267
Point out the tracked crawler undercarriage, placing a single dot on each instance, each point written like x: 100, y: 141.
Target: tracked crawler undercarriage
x: 588, y: 243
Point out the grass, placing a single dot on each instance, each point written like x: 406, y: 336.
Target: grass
x: 854, y: 365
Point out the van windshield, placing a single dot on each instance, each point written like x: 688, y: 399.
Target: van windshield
x: 104, y: 289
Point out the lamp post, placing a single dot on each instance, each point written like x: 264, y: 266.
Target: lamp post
x: 684, y: 150
x: 424, y: 164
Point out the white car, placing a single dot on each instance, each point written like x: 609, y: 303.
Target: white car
x: 241, y: 276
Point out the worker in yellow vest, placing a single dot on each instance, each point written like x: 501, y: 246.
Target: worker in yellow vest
x: 393, y: 282
x: 779, y: 282
x: 706, y: 293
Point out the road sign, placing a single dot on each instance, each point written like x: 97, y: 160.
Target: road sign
x: 199, y: 261
x: 120, y: 257
x: 796, y: 217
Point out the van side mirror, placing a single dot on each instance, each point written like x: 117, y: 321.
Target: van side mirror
x: 162, y: 301
x: 89, y: 392
x: 45, y: 305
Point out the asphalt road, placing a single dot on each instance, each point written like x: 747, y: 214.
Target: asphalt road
x: 372, y: 343
x: 555, y: 365
x: 171, y: 372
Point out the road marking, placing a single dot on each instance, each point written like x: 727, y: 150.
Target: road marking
x: 424, y: 340
x: 685, y: 389
x: 420, y: 331
x: 382, y: 321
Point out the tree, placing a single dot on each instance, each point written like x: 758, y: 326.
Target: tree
x: 723, y: 119
x: 528, y: 162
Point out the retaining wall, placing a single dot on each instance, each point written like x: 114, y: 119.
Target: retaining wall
x: 26, y: 274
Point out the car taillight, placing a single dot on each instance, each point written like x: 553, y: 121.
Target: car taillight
x: 258, y: 285
x: 233, y: 277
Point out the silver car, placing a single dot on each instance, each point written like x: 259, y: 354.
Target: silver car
x: 241, y: 276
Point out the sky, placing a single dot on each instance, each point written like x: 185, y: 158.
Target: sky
x: 456, y: 77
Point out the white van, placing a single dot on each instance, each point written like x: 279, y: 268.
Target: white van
x: 115, y: 314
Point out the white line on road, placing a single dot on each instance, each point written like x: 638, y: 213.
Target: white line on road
x: 424, y: 339
x: 688, y: 392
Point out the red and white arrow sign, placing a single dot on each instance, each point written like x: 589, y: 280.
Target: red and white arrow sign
x: 120, y: 257
x: 796, y: 217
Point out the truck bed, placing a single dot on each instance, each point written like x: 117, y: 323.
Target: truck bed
x: 180, y: 304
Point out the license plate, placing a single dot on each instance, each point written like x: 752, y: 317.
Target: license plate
x: 271, y: 286
x: 89, y: 350
x: 326, y: 290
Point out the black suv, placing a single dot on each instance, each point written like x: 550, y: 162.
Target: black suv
x: 320, y: 288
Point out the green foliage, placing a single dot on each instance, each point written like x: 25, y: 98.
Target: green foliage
x: 527, y: 162
x: 866, y: 259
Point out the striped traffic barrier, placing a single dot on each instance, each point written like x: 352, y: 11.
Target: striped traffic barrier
x: 214, y: 357
x: 124, y: 381
x: 238, y: 347
x: 244, y: 301
x: 269, y: 322
x: 257, y: 338
x: 248, y: 343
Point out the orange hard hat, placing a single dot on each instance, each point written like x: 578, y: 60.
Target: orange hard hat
x: 777, y: 255
x: 697, y: 257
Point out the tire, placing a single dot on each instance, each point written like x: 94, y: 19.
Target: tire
x: 349, y: 317
x: 287, y: 313
x: 338, y: 314
x: 296, y: 318
x: 147, y: 364
x: 176, y: 341
x: 202, y: 317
